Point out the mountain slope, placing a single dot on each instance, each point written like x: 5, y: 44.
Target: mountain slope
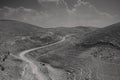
x: 14, y: 34
x: 10, y: 28
x: 18, y: 36
x: 109, y: 34
x: 95, y: 57
x: 104, y: 46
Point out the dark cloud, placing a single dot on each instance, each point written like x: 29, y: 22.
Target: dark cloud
x: 33, y: 4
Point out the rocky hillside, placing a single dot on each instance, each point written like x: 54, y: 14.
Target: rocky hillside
x: 95, y: 57
x: 18, y: 36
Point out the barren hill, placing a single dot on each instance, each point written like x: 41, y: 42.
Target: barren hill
x: 95, y: 57
x: 18, y: 36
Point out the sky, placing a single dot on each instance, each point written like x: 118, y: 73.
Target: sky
x: 62, y: 13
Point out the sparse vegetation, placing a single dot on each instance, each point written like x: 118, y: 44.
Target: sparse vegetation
x: 87, y: 54
x: 94, y: 57
x: 18, y: 36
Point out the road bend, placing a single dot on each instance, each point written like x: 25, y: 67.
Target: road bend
x: 35, y: 70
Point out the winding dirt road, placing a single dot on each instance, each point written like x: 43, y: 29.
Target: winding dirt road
x: 39, y: 75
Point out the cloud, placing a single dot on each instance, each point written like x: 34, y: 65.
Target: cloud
x: 86, y: 8
x: 48, y: 0
x: 88, y: 14
x: 23, y: 14
x: 17, y: 12
x: 62, y: 14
